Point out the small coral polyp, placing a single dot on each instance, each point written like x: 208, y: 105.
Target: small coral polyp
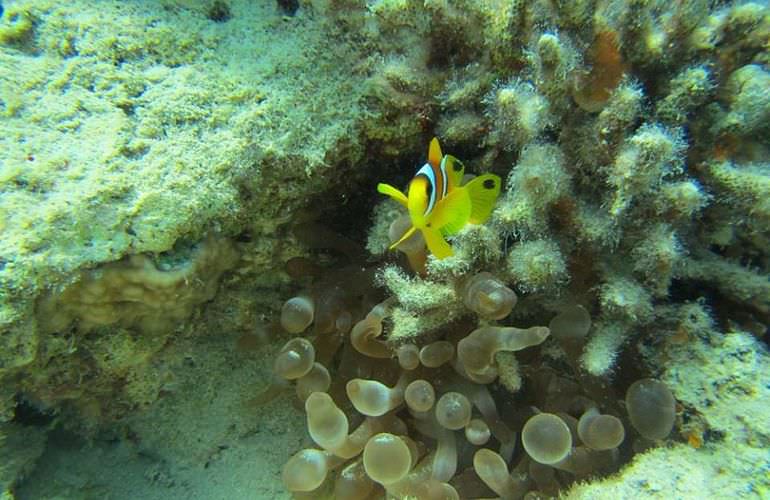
x: 425, y: 418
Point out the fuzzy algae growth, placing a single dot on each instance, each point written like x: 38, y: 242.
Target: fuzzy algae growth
x: 165, y: 166
x: 132, y: 140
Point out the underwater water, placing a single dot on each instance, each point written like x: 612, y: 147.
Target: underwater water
x: 363, y: 249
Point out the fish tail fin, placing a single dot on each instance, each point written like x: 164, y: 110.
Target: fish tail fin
x: 483, y: 191
x: 453, y: 212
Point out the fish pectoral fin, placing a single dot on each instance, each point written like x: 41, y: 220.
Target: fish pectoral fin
x: 403, y: 238
x: 452, y: 212
x: 394, y: 193
x: 437, y: 245
x: 483, y: 192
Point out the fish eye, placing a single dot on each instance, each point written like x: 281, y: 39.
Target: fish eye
x: 457, y: 165
x: 489, y: 184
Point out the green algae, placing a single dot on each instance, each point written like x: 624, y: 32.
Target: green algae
x: 139, y: 138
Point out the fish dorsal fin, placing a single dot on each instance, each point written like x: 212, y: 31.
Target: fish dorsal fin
x: 454, y: 170
x: 452, y: 213
x: 436, y: 243
x: 434, y: 153
x: 394, y: 193
x: 418, y: 199
x: 483, y: 192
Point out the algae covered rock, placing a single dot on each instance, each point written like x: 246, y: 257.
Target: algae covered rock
x: 124, y: 142
x: 163, y: 161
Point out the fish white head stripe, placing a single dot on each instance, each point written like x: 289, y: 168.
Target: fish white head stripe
x: 442, y: 166
x: 427, y: 171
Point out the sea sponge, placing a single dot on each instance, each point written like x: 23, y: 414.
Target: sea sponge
x: 682, y: 199
x: 749, y: 102
x: 687, y: 90
x: 415, y: 294
x: 508, y: 371
x: 595, y: 228
x: 732, y: 279
x: 619, y: 114
x: 651, y: 408
x: 746, y: 186
x: 17, y: 27
x: 657, y: 256
x: 476, y: 246
x: 546, y: 438
x: 555, y: 59
x: 465, y: 88
x: 461, y: 128
x: 624, y: 297
x: 519, y: 114
x: 384, y: 215
x: 603, y: 347
x: 150, y: 294
x: 643, y: 162
x: 537, y: 266
x: 538, y: 181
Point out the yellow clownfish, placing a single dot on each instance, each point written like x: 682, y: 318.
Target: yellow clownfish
x: 439, y: 205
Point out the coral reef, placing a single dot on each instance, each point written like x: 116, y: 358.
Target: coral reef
x: 633, y: 162
x: 164, y: 164
x: 123, y: 145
